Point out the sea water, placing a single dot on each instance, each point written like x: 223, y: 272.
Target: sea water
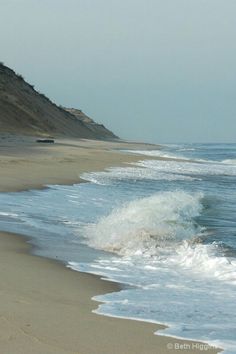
x: 164, y: 226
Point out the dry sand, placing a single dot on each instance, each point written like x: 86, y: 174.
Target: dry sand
x: 45, y: 308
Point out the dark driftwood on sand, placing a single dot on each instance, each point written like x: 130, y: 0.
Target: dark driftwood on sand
x: 48, y: 141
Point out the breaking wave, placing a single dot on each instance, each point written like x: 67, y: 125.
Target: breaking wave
x: 144, y: 226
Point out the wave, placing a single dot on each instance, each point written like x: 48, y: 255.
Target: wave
x: 187, y: 149
x: 171, y: 156
x: 229, y: 161
x: 169, y: 168
x: 133, y: 173
x: 159, y: 153
x: 192, y: 169
x: 147, y: 226
x: 162, y: 228
x: 13, y: 215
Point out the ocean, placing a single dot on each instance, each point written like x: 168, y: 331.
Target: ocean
x: 164, y: 228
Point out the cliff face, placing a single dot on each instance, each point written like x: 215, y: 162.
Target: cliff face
x: 25, y: 111
x: 90, y: 124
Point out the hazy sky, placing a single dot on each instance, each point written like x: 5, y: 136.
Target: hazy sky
x: 150, y: 70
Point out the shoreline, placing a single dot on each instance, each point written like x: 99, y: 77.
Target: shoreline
x: 31, y: 311
x: 109, y: 334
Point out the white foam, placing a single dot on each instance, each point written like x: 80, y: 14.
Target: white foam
x: 205, y: 260
x: 229, y: 161
x: 134, y: 173
x: 158, y: 153
x: 189, y: 168
x: 186, y: 149
x: 167, y: 170
x: 193, y: 166
x: 12, y: 215
x: 192, y: 306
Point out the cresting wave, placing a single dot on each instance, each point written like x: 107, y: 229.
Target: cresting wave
x: 147, y: 226
x: 162, y: 228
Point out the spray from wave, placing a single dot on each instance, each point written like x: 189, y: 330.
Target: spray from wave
x: 144, y: 226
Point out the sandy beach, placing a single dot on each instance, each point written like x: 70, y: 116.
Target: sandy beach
x: 26, y: 164
x: 46, y: 308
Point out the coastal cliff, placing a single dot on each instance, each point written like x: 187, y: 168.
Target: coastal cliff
x: 23, y: 110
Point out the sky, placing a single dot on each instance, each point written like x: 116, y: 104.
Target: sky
x: 158, y: 71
